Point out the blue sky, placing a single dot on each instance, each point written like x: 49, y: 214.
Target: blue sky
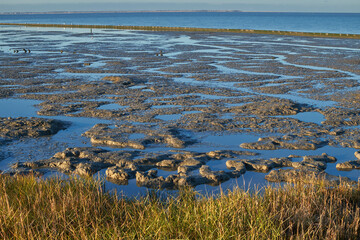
x: 122, y: 5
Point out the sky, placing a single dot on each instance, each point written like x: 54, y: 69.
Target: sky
x: 151, y: 5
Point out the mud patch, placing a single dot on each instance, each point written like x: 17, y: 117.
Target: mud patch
x: 15, y: 128
x: 122, y: 136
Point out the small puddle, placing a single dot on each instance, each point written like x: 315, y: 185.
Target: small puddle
x: 14, y: 108
x: 147, y: 90
x: 191, y: 112
x: 235, y: 104
x: 129, y: 190
x: 314, y: 117
x: 169, y: 117
x: 112, y: 106
x: 311, y: 117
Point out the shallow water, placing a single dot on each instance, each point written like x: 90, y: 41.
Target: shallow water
x: 112, y: 106
x: 191, y: 79
x: 18, y: 108
x: 303, y: 22
x: 313, y: 117
x: 169, y: 117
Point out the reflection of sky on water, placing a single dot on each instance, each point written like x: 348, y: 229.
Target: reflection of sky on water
x: 314, y: 117
x: 70, y: 39
x: 72, y: 137
x: 18, y: 107
x: 169, y: 117
x: 112, y: 106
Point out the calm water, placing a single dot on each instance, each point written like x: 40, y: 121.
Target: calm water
x: 303, y: 22
x: 47, y: 42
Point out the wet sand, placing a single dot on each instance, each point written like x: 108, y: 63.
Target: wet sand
x: 167, y: 109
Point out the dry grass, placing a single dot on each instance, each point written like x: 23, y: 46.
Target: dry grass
x: 80, y: 209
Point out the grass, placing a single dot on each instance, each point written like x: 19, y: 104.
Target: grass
x: 32, y: 208
x: 190, y: 29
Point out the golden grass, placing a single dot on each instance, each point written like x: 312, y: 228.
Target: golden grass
x: 32, y: 208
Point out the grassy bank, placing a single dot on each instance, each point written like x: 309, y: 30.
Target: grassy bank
x: 189, y: 29
x: 80, y: 209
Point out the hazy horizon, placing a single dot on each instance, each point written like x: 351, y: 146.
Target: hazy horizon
x: 331, y: 6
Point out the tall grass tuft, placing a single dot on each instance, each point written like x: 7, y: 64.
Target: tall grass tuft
x: 32, y: 208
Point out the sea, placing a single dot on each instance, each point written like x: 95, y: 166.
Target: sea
x: 300, y: 22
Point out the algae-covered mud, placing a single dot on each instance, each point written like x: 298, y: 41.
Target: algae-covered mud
x: 163, y: 110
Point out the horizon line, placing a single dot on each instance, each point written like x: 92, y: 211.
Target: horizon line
x: 165, y: 11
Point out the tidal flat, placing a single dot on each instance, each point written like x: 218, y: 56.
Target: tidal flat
x: 162, y: 110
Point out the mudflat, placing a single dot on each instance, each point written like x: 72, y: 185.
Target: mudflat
x: 171, y: 109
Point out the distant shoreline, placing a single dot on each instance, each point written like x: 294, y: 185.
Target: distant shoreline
x: 190, y: 29
x: 160, y: 11
x: 141, y: 11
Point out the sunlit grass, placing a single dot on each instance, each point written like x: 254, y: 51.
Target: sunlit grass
x: 32, y: 208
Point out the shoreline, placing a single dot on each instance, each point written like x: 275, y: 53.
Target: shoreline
x: 129, y: 11
x: 190, y: 29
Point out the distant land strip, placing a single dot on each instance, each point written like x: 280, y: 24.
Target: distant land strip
x: 129, y: 11
x: 190, y: 29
